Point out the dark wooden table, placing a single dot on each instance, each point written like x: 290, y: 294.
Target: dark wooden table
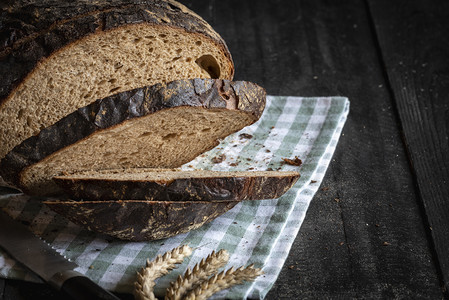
x: 379, y: 226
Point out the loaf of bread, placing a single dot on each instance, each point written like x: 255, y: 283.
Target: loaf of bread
x: 140, y: 220
x: 176, y: 185
x: 161, y: 126
x: 60, y: 55
x: 123, y: 86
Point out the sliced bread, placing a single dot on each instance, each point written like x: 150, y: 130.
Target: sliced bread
x: 176, y: 185
x: 60, y: 55
x: 140, y: 220
x: 162, y: 126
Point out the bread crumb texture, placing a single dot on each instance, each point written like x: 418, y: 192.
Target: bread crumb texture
x: 165, y: 139
x: 166, y: 175
x: 106, y: 62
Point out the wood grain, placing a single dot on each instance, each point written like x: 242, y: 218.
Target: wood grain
x: 414, y: 40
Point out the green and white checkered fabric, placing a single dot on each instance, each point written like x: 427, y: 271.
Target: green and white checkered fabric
x: 254, y: 232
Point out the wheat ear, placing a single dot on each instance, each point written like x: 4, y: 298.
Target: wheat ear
x: 201, y: 271
x: 223, y: 280
x: 160, y: 266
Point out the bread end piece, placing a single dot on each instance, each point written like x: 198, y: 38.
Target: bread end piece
x: 136, y: 220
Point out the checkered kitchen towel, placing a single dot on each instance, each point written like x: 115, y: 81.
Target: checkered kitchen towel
x: 258, y: 232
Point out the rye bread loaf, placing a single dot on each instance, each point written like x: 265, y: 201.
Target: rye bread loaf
x: 60, y: 55
x: 176, y: 185
x: 162, y: 126
x: 140, y: 220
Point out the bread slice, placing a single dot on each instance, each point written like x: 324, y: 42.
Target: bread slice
x: 162, y: 126
x: 58, y: 56
x: 176, y: 185
x: 139, y: 220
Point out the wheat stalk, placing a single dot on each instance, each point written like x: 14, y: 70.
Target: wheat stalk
x: 201, y: 271
x: 160, y: 266
x: 223, y: 280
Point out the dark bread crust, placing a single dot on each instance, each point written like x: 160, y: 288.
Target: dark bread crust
x: 218, y: 187
x: 31, y: 32
x: 113, y: 111
x: 140, y: 220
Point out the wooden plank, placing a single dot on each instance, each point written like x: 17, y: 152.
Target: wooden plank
x: 414, y: 39
x: 312, y: 48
